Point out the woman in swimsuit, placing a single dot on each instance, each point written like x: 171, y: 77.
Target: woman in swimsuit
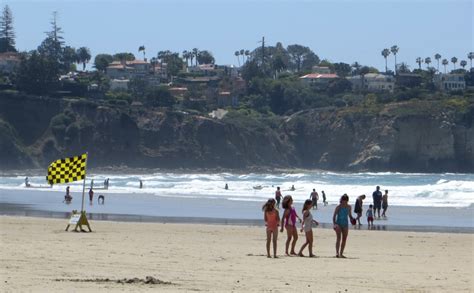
x: 341, y: 224
x: 307, y: 227
x: 289, y: 221
x: 272, y: 220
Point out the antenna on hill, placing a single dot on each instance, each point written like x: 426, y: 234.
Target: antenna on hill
x: 263, y: 51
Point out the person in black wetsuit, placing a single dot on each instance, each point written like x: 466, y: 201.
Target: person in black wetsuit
x: 377, y: 197
x: 358, y: 207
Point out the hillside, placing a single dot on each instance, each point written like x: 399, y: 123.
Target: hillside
x: 418, y: 136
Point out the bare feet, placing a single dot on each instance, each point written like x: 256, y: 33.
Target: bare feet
x: 275, y: 256
x: 342, y: 256
x: 293, y: 253
x: 269, y: 256
x: 301, y: 254
x: 337, y: 255
x: 312, y: 255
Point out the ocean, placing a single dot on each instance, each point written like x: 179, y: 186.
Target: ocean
x: 430, y: 200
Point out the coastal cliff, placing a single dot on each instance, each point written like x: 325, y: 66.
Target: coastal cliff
x: 414, y: 136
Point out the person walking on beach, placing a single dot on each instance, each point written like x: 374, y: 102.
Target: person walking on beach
x: 67, y: 197
x: 314, y: 199
x: 289, y: 221
x: 324, y: 198
x: 384, y: 203
x: 370, y: 216
x: 377, y: 197
x: 358, y: 207
x: 272, y: 220
x: 307, y: 227
x: 91, y: 195
x: 278, y: 197
x: 141, y: 184
x: 341, y: 224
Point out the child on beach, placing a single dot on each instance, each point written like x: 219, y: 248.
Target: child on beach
x: 307, y: 227
x: 289, y: 221
x: 272, y: 220
x: 370, y: 216
x: 384, y: 203
x: 341, y: 224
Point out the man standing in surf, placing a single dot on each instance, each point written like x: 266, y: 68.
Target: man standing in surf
x: 377, y: 197
x: 278, y: 196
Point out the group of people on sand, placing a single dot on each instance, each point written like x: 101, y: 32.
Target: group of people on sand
x: 340, y: 219
x: 380, y: 202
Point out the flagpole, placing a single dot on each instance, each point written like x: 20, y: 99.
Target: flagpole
x: 84, y: 183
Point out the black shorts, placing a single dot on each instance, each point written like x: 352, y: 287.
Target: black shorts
x: 377, y: 205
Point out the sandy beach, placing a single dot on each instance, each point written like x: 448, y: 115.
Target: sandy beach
x: 38, y: 255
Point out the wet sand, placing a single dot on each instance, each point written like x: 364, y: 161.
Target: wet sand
x: 37, y: 255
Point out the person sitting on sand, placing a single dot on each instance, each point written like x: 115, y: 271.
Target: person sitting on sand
x: 314, y: 199
x: 289, y: 220
x: 384, y: 203
x: 272, y: 220
x: 358, y: 207
x: 307, y: 227
x: 324, y: 198
x: 370, y: 216
x: 341, y: 224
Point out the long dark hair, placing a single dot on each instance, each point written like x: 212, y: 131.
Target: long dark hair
x: 286, y: 201
x: 307, y: 204
x: 269, y: 205
x: 345, y: 197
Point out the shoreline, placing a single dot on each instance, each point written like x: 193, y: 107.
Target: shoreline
x: 7, y: 209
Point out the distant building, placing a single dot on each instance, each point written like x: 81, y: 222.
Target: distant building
x: 9, y: 61
x: 450, y: 82
x: 128, y: 69
x: 408, y: 80
x: 318, y: 78
x: 119, y: 84
x: 373, y: 82
x: 321, y: 69
x: 227, y: 99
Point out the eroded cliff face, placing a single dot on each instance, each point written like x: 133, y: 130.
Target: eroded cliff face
x: 34, y: 131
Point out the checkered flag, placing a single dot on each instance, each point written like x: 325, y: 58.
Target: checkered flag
x: 67, y: 170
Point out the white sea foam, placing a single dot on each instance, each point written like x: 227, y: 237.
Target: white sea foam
x: 440, y: 190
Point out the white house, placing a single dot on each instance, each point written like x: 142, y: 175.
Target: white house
x: 373, y: 82
x: 450, y: 82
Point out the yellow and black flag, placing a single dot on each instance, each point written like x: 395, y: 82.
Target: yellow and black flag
x: 67, y: 170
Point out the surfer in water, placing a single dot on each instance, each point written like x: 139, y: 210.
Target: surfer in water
x: 141, y: 184
x: 226, y: 187
x: 27, y: 182
x: 292, y: 188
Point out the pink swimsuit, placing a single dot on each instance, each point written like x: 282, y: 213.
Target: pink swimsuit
x: 291, y: 219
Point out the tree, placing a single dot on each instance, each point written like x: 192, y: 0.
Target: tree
x: 385, y: 53
x: 463, y: 63
x: 242, y: 52
x: 470, y: 56
x: 427, y: 61
x: 343, y: 69
x: 185, y: 55
x: 445, y: 62
x: 394, y: 49
x: 356, y: 67
x: 83, y: 56
x: 37, y: 74
x: 195, y: 54
x: 7, y: 34
x: 247, y: 54
x: 69, y: 58
x: 301, y: 56
x: 437, y: 57
x: 454, y: 60
x: 142, y: 49
x: 160, y: 97
x: 123, y: 57
x: 52, y: 46
x: 101, y: 61
x: 419, y: 60
x: 205, y: 57
x: 236, y: 54
x: 403, y: 68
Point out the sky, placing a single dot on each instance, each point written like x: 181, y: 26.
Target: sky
x: 337, y: 30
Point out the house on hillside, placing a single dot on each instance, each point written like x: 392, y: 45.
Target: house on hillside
x: 227, y: 99
x: 319, y: 79
x: 321, y: 69
x: 9, y: 61
x: 373, y: 82
x: 450, y: 82
x: 409, y: 80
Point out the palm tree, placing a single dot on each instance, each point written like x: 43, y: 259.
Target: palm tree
x: 445, y: 62
x: 196, y: 53
x: 242, y: 52
x: 153, y: 62
x: 454, y: 60
x: 142, y: 48
x: 427, y: 62
x: 385, y: 53
x: 83, y: 56
x: 394, y: 49
x: 463, y: 63
x: 186, y: 57
x: 247, y: 54
x: 419, y: 60
x: 237, y: 53
x: 470, y: 56
x: 437, y: 57
x: 356, y: 67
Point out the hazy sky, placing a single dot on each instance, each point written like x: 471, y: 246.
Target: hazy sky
x: 340, y: 31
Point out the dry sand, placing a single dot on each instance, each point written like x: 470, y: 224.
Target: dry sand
x: 38, y: 255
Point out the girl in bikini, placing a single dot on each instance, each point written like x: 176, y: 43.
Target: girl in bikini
x: 289, y: 220
x: 272, y: 220
x: 307, y: 227
x: 341, y: 224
